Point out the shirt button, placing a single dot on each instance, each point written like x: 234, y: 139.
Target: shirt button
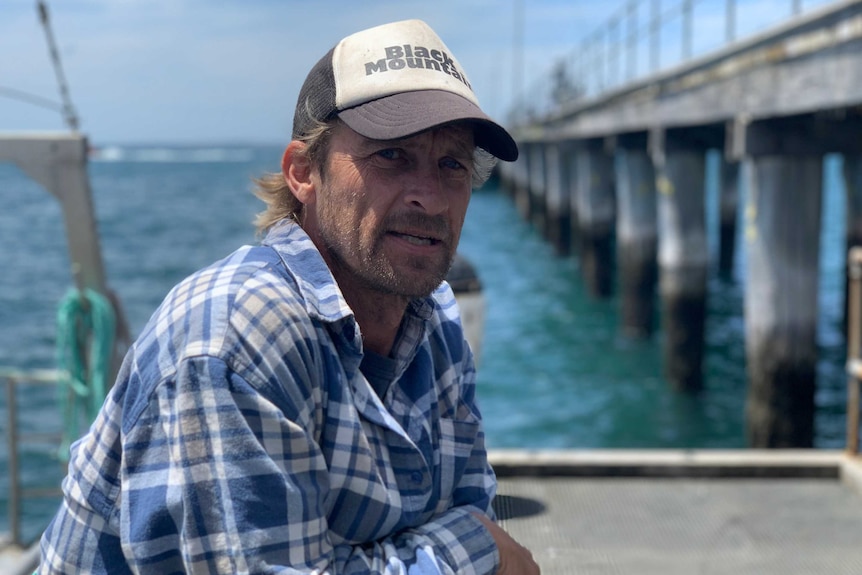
x: 416, y: 477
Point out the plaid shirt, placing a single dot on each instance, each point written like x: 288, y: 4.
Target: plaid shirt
x: 241, y: 437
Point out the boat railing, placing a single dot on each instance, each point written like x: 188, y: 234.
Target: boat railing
x: 13, y: 379
x: 854, y: 340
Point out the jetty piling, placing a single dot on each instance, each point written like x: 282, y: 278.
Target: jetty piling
x: 537, y: 204
x: 519, y: 173
x: 558, y: 218
x: 636, y: 235
x: 852, y: 172
x: 594, y: 205
x: 682, y: 253
x: 782, y: 233
x: 728, y: 208
x: 775, y: 103
x: 854, y: 350
x: 571, y: 163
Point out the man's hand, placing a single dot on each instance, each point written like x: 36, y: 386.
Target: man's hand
x: 515, y: 559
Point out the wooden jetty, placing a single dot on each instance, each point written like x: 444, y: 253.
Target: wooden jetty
x: 628, y: 163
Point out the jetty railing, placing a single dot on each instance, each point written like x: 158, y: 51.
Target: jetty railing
x: 641, y: 38
x: 13, y: 379
x: 854, y: 340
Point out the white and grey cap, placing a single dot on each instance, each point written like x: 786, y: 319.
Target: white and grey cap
x: 393, y: 81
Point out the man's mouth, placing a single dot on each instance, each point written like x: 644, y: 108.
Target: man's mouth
x: 416, y: 240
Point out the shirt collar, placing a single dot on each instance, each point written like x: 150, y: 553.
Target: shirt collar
x: 323, y: 299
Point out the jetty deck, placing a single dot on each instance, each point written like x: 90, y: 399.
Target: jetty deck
x: 677, y: 512
x: 670, y: 512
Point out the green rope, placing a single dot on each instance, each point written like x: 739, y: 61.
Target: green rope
x: 85, y: 338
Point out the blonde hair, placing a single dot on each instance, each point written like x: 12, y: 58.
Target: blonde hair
x: 273, y: 190
x: 280, y: 202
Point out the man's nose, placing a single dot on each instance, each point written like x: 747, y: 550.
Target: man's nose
x: 425, y: 189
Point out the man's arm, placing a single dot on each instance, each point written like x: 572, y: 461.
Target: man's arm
x: 245, y: 488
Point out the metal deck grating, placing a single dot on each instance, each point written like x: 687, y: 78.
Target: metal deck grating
x: 685, y: 526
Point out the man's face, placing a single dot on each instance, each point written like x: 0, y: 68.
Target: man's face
x: 388, y: 214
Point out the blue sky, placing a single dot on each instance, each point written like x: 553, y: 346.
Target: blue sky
x: 202, y: 71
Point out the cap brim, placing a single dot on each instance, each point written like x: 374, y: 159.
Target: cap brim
x: 408, y: 113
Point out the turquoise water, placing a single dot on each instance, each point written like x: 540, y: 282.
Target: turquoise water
x: 554, y: 373
x: 557, y: 373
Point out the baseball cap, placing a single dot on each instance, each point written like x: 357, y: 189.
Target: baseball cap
x: 393, y: 81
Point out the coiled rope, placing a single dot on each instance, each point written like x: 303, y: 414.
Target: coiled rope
x: 86, y: 326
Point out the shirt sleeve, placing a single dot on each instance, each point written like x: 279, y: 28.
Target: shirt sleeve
x: 217, y: 479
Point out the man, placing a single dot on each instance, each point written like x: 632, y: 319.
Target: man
x: 307, y: 405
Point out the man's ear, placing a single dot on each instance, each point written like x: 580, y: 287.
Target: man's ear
x: 298, y: 172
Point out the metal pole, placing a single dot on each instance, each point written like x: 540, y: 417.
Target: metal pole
x: 69, y: 113
x: 518, y: 59
x: 730, y: 24
x: 797, y: 7
x: 655, y: 34
x: 633, y: 38
x: 687, y: 25
x: 578, y: 75
x: 586, y: 66
x: 600, y: 47
x: 14, y: 479
x: 613, y: 34
x: 594, y: 64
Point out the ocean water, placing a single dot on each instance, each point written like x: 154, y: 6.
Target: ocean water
x: 557, y: 373
x: 554, y: 372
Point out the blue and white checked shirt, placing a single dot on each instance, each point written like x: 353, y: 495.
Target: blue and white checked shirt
x: 241, y: 437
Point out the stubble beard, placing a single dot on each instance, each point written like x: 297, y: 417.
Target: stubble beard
x: 367, y: 263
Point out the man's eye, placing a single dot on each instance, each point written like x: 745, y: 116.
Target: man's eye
x: 451, y: 163
x: 389, y: 153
